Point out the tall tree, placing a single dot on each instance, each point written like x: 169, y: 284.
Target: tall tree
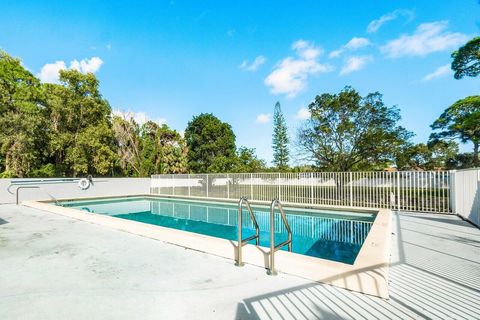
x: 173, y: 151
x: 466, y: 60
x: 460, y: 121
x: 247, y: 161
x: 127, y: 139
x: 22, y: 122
x: 148, y: 149
x: 280, y: 139
x: 349, y: 132
x: 81, y: 137
x: 211, y: 144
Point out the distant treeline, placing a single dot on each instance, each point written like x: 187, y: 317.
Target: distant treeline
x: 68, y: 129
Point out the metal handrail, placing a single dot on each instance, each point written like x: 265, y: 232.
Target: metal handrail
x: 35, y: 182
x: 34, y: 187
x: 242, y: 242
x: 273, y: 247
x: 23, y: 187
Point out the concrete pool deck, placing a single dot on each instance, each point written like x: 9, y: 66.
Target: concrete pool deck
x: 55, y: 267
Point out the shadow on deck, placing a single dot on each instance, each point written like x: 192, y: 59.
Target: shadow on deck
x: 434, y: 273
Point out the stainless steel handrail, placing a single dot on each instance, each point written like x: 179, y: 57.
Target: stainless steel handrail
x: 34, y: 187
x: 273, y: 247
x: 256, y: 236
x: 23, y: 187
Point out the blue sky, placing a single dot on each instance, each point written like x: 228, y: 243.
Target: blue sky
x: 170, y: 60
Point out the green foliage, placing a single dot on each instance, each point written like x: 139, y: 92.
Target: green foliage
x: 461, y: 161
x: 21, y: 118
x: 466, y: 60
x: 431, y: 156
x: 80, y: 133
x: 173, y: 151
x: 460, y: 121
x: 350, y: 132
x: 211, y: 144
x: 247, y: 161
x: 280, y: 139
x: 148, y: 149
x: 45, y: 171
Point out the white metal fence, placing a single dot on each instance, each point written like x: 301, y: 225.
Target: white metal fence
x: 425, y: 191
x: 466, y: 194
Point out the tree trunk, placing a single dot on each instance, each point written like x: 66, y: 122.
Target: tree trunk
x: 476, y: 162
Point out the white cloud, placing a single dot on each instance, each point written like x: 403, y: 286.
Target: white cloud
x: 290, y: 75
x: 355, y: 63
x: 439, y: 72
x: 354, y: 44
x: 245, y: 66
x: 357, y: 43
x: 335, y: 53
x: 263, y: 118
x: 374, y: 25
x: 50, y: 71
x: 139, y: 117
x: 303, y: 114
x: 427, y: 38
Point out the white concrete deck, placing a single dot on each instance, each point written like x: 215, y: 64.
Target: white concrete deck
x: 54, y: 267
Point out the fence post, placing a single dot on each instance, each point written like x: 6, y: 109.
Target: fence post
x: 351, y: 188
x: 228, y: 187
x: 452, y: 190
x: 173, y: 185
x: 251, y: 186
x: 207, y: 186
x: 279, y: 189
x: 398, y: 190
x: 188, y: 178
x: 311, y: 186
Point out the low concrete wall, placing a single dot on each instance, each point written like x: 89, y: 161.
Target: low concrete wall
x: 101, y: 187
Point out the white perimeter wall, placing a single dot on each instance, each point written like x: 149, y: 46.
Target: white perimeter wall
x: 466, y: 194
x: 101, y: 187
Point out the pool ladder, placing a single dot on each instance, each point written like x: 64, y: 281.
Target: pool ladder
x: 273, y: 248
x: 241, y: 242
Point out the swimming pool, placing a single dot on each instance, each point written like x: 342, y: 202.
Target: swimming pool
x: 327, y: 234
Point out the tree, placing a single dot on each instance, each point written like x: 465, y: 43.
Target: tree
x: 460, y: 121
x: 247, y: 161
x: 127, y: 138
x: 211, y: 144
x: 349, y: 132
x: 460, y: 161
x: 466, y: 60
x: 81, y: 136
x: 280, y: 139
x: 22, y: 122
x: 431, y: 156
x: 148, y: 149
x: 173, y: 151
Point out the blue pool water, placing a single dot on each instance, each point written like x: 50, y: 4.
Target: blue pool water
x: 332, y: 235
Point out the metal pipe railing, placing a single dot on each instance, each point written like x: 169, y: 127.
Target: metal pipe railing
x: 23, y: 187
x: 273, y: 247
x: 241, y: 241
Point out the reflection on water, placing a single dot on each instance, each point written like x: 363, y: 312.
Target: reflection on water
x: 337, y: 236
x: 317, y: 227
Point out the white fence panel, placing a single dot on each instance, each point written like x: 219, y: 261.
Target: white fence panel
x: 466, y: 194
x: 425, y: 191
